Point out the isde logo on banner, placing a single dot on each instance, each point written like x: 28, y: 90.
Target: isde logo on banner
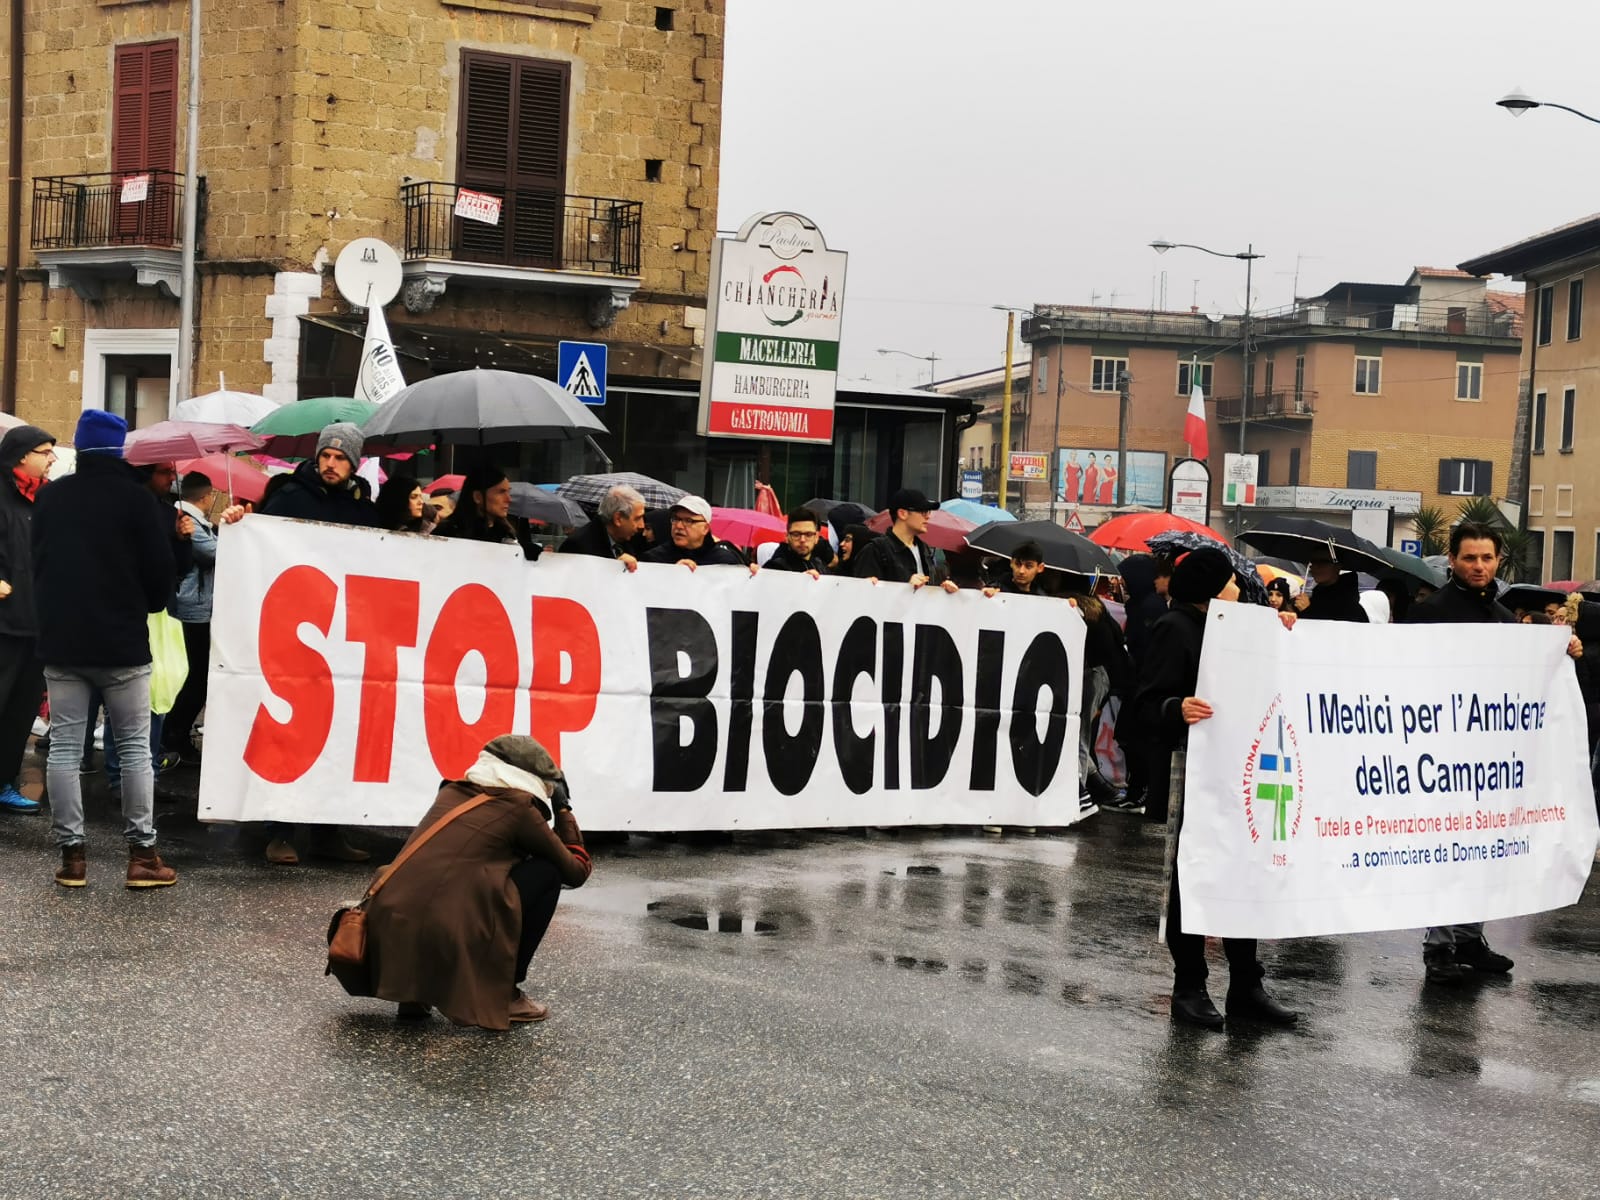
x: 581, y: 370
x: 1274, y: 783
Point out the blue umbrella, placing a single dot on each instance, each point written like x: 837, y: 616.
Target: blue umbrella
x: 978, y: 514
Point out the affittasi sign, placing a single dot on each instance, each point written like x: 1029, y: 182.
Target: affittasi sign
x: 774, y: 313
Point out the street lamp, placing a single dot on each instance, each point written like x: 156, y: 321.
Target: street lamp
x: 1517, y: 102
x: 1249, y: 256
x: 931, y: 359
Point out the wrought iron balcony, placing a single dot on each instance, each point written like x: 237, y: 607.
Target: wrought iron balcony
x: 1283, y: 405
x: 531, y: 239
x: 89, y: 228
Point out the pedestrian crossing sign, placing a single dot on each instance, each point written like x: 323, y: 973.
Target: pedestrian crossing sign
x: 581, y: 370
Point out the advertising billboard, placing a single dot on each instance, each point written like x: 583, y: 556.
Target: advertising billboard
x: 1090, y: 477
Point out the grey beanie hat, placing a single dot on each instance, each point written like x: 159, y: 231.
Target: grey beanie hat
x: 344, y: 437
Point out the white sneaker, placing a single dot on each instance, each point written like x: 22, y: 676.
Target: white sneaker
x: 41, y: 727
x: 99, y: 737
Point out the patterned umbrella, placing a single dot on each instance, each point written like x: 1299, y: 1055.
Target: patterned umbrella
x: 589, y: 490
x: 1177, y: 542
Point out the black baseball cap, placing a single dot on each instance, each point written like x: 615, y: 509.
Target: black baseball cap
x: 911, y: 499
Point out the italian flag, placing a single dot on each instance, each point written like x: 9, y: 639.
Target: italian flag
x: 1194, y: 421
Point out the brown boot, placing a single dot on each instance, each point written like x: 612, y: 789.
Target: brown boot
x: 146, y: 870
x: 74, y: 870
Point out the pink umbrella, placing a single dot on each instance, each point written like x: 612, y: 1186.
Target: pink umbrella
x: 239, y: 477
x: 946, y: 531
x: 445, y: 483
x: 746, y: 526
x: 168, y: 441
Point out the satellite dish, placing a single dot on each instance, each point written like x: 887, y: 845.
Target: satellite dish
x: 367, y: 273
x: 1215, y: 317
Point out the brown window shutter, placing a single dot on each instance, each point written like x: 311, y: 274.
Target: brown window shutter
x: 128, y: 109
x: 144, y: 137
x: 161, y: 108
x: 513, y: 144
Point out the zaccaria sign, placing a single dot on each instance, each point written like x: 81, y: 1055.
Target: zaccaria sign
x: 773, y: 317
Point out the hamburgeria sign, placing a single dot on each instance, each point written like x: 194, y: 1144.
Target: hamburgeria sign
x: 774, y: 313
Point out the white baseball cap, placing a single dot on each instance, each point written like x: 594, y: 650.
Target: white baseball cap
x: 697, y: 505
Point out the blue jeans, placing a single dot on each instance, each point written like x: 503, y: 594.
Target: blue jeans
x: 127, y: 700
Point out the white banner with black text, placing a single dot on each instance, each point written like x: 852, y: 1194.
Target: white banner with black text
x: 1364, y: 777
x: 351, y: 670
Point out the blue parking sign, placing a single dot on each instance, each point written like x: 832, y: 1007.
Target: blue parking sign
x: 1411, y: 546
x: 581, y: 370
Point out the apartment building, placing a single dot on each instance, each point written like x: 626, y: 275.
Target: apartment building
x: 1366, y: 403
x: 1558, y: 442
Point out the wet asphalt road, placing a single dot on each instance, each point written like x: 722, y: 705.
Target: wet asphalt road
x: 794, y: 1015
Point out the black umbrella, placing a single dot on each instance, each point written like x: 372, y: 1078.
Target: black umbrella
x: 1063, y: 549
x: 1528, y: 597
x: 1411, y: 567
x: 480, y: 407
x: 840, y: 513
x: 1177, y: 542
x: 1299, y: 537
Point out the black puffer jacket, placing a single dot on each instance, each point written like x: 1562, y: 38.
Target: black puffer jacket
x: 1337, y: 601
x: 306, y: 498
x: 17, y: 619
x: 102, y: 562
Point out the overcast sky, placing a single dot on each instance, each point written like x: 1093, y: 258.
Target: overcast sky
x: 1034, y: 159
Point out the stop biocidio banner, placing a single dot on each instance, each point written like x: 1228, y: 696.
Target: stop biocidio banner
x: 1365, y: 777
x: 352, y: 670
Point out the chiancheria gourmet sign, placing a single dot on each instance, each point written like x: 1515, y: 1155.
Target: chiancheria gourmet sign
x: 774, y: 314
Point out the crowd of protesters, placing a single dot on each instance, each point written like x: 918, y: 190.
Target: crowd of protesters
x: 86, y: 560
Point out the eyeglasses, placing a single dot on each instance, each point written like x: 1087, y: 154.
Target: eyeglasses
x: 686, y: 521
x: 801, y: 533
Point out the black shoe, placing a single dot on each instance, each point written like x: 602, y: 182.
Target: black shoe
x: 1122, y: 802
x: 1195, y: 1008
x: 1443, y: 966
x: 1253, y: 1004
x: 1478, y: 957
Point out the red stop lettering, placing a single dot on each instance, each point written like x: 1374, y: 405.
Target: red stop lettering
x: 382, y: 613
x: 283, y: 751
x: 563, y: 628
x: 471, y: 619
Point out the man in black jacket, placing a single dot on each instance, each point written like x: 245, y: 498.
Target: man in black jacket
x: 901, y: 556
x: 800, y: 551
x: 102, y: 563
x: 617, y: 532
x: 1336, y: 597
x: 26, y: 453
x: 1453, y: 953
x: 1166, y: 707
x: 691, y: 542
x: 326, y: 488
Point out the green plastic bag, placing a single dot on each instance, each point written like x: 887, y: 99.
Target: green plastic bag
x: 169, y: 661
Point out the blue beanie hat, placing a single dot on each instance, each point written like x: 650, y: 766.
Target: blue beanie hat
x: 100, y: 432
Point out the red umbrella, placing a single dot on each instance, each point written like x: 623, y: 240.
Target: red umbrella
x: 746, y: 526
x: 946, y: 531
x: 239, y: 477
x: 167, y: 441
x: 1132, y: 531
x: 445, y: 483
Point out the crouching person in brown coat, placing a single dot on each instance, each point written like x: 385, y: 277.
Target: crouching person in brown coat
x: 457, y: 925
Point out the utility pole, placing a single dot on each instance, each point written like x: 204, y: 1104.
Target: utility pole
x: 1055, y: 428
x: 1249, y: 257
x: 1005, y: 415
x: 1124, y: 400
x: 191, y: 209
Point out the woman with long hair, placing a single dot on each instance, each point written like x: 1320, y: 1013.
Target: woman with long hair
x: 483, y: 512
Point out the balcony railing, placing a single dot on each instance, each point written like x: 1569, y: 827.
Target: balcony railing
x: 142, y: 208
x: 1270, y: 406
x: 542, y: 230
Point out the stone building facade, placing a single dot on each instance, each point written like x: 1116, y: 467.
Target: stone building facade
x: 595, y: 126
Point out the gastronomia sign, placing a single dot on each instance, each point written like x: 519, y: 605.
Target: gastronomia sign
x: 774, y: 313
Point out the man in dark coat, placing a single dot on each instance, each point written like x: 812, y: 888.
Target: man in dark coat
x: 616, y: 533
x: 1336, y: 597
x: 326, y: 488
x: 1166, y: 706
x: 690, y: 541
x: 26, y: 453
x: 901, y: 556
x: 803, y: 550
x: 1453, y: 953
x: 102, y: 563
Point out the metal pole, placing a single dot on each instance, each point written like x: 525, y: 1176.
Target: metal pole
x: 1124, y: 398
x: 1244, y: 408
x: 1055, y: 430
x: 13, y: 298
x: 1005, y: 415
x: 191, y: 210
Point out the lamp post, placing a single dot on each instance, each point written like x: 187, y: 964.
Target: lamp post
x: 1249, y: 256
x: 1517, y: 102
x: 931, y: 359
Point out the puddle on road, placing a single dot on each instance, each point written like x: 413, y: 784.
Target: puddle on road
x: 726, y: 921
